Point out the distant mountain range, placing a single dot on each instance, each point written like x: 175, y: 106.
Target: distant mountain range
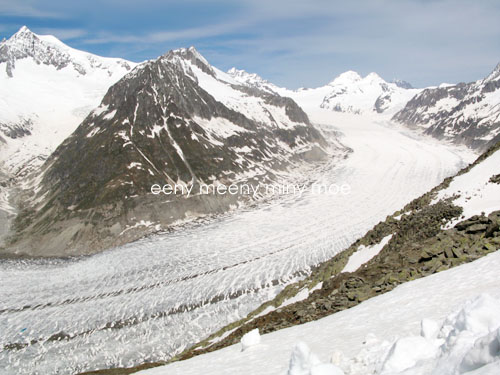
x: 349, y: 92
x: 465, y: 113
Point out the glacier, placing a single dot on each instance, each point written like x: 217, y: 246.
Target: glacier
x: 151, y: 299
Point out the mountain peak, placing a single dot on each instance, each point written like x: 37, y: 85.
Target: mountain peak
x: 252, y: 80
x: 346, y: 78
x: 243, y: 76
x: 192, y: 55
x: 23, y: 34
x: 494, y: 75
x: 23, y: 30
x: 48, y: 50
x: 402, y: 84
x: 373, y: 77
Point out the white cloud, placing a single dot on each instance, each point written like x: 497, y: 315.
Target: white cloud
x: 23, y: 8
x: 63, y: 34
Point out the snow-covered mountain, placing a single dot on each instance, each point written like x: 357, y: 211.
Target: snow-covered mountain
x: 464, y: 113
x: 349, y: 92
x: 352, y: 93
x: 174, y: 120
x: 46, y: 90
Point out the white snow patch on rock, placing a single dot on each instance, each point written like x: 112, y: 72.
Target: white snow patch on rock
x: 365, y: 254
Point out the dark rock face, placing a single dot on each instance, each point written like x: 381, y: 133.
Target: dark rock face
x: 495, y: 179
x: 402, y: 84
x: 156, y: 126
x: 463, y: 113
x: 17, y: 130
x: 382, y: 102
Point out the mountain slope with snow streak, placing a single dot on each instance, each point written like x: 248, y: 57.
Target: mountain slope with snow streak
x: 477, y: 191
x: 466, y: 113
x: 46, y: 90
x: 175, y: 120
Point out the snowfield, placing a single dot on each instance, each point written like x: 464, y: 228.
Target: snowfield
x: 396, y: 333
x: 149, y: 300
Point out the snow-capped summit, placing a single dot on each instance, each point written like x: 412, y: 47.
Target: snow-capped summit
x: 47, y: 88
x: 245, y: 77
x: 494, y: 75
x: 346, y: 78
x: 191, y: 55
x: 350, y: 92
x: 374, y: 77
x: 48, y: 50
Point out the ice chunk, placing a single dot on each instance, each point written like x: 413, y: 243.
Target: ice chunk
x: 249, y: 339
x: 406, y: 352
x: 429, y: 329
x: 485, y: 350
x: 305, y: 362
x: 326, y: 369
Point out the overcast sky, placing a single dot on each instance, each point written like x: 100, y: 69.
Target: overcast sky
x: 291, y: 43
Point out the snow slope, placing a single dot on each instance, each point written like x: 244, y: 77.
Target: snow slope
x: 170, y: 291
x: 360, y: 340
x: 474, y: 191
x: 46, y: 89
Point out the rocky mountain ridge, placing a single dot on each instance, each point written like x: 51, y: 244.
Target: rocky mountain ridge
x: 467, y: 113
x: 48, y: 50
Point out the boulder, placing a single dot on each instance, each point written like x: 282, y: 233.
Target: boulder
x: 476, y: 228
